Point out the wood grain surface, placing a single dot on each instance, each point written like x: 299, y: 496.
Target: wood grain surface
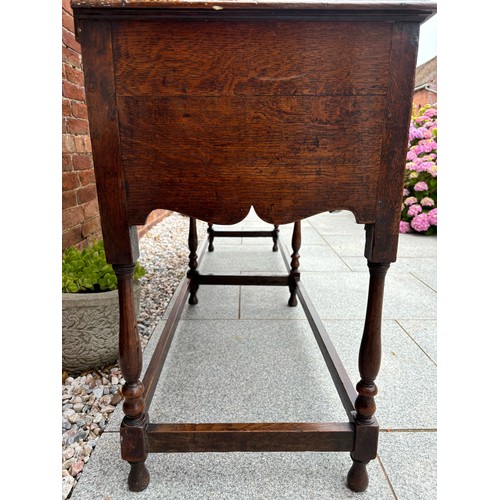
x: 263, y: 57
x: 251, y: 113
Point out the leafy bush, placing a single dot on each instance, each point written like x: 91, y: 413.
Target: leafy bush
x: 88, y: 271
x: 419, y: 208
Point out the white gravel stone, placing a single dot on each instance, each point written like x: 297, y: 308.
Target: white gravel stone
x: 68, y: 483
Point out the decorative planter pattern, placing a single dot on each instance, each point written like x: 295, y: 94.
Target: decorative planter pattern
x: 90, y: 329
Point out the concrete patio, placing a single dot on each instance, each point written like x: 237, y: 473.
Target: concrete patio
x: 243, y: 355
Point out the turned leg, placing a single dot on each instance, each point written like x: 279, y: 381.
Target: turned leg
x: 133, y: 427
x: 211, y: 236
x: 275, y: 233
x: 370, y: 352
x: 193, y: 261
x: 294, y: 271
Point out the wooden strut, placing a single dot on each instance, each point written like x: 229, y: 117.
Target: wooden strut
x: 212, y: 233
x: 193, y: 261
x: 294, y: 265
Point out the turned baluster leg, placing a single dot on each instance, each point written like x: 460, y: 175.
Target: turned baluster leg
x: 275, y: 233
x: 294, y: 272
x: 211, y: 237
x: 193, y: 262
x: 370, y: 352
x: 133, y: 427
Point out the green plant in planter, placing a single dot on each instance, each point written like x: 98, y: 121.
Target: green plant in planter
x: 88, y: 271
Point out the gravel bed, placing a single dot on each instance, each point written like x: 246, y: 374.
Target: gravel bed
x: 89, y: 398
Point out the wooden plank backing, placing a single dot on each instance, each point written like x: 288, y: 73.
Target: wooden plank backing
x: 262, y: 57
x: 311, y: 154
x: 254, y: 112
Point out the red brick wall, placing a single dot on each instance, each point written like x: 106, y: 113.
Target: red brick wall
x: 423, y: 97
x: 80, y: 216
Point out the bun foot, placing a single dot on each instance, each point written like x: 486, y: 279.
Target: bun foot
x: 138, y: 478
x: 357, y: 478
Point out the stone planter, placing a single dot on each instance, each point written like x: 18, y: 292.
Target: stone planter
x: 90, y: 329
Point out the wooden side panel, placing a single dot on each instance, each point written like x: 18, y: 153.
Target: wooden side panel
x: 263, y: 57
x: 310, y: 154
x: 255, y: 112
x: 120, y: 241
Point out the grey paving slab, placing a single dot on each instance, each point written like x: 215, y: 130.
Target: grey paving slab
x: 231, y: 259
x: 319, y: 258
x: 268, y: 302
x: 407, y: 382
x: 422, y: 268
x: 416, y: 245
x: 347, y: 245
x: 410, y: 461
x: 309, y: 235
x: 424, y: 334
x: 220, y: 240
x: 227, y: 476
x: 341, y: 222
x: 343, y: 295
x: 244, y: 371
x: 215, y: 302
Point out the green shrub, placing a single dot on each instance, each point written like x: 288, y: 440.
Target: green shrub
x: 88, y: 271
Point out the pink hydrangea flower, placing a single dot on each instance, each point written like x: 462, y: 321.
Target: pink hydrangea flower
x: 421, y: 186
x: 430, y: 113
x: 406, y: 192
x: 427, y: 202
x: 416, y: 133
x: 430, y: 146
x: 432, y: 216
x: 411, y: 155
x: 420, y: 222
x: 410, y: 201
x: 414, y: 210
x: 404, y: 227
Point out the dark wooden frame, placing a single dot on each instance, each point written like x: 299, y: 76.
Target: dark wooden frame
x: 143, y: 120
x: 212, y: 233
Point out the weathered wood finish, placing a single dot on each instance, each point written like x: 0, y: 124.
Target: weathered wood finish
x: 259, y: 118
x: 120, y: 240
x: 266, y: 58
x: 256, y: 437
x: 382, y: 237
x: 311, y: 154
x: 209, y: 108
x: 132, y: 430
